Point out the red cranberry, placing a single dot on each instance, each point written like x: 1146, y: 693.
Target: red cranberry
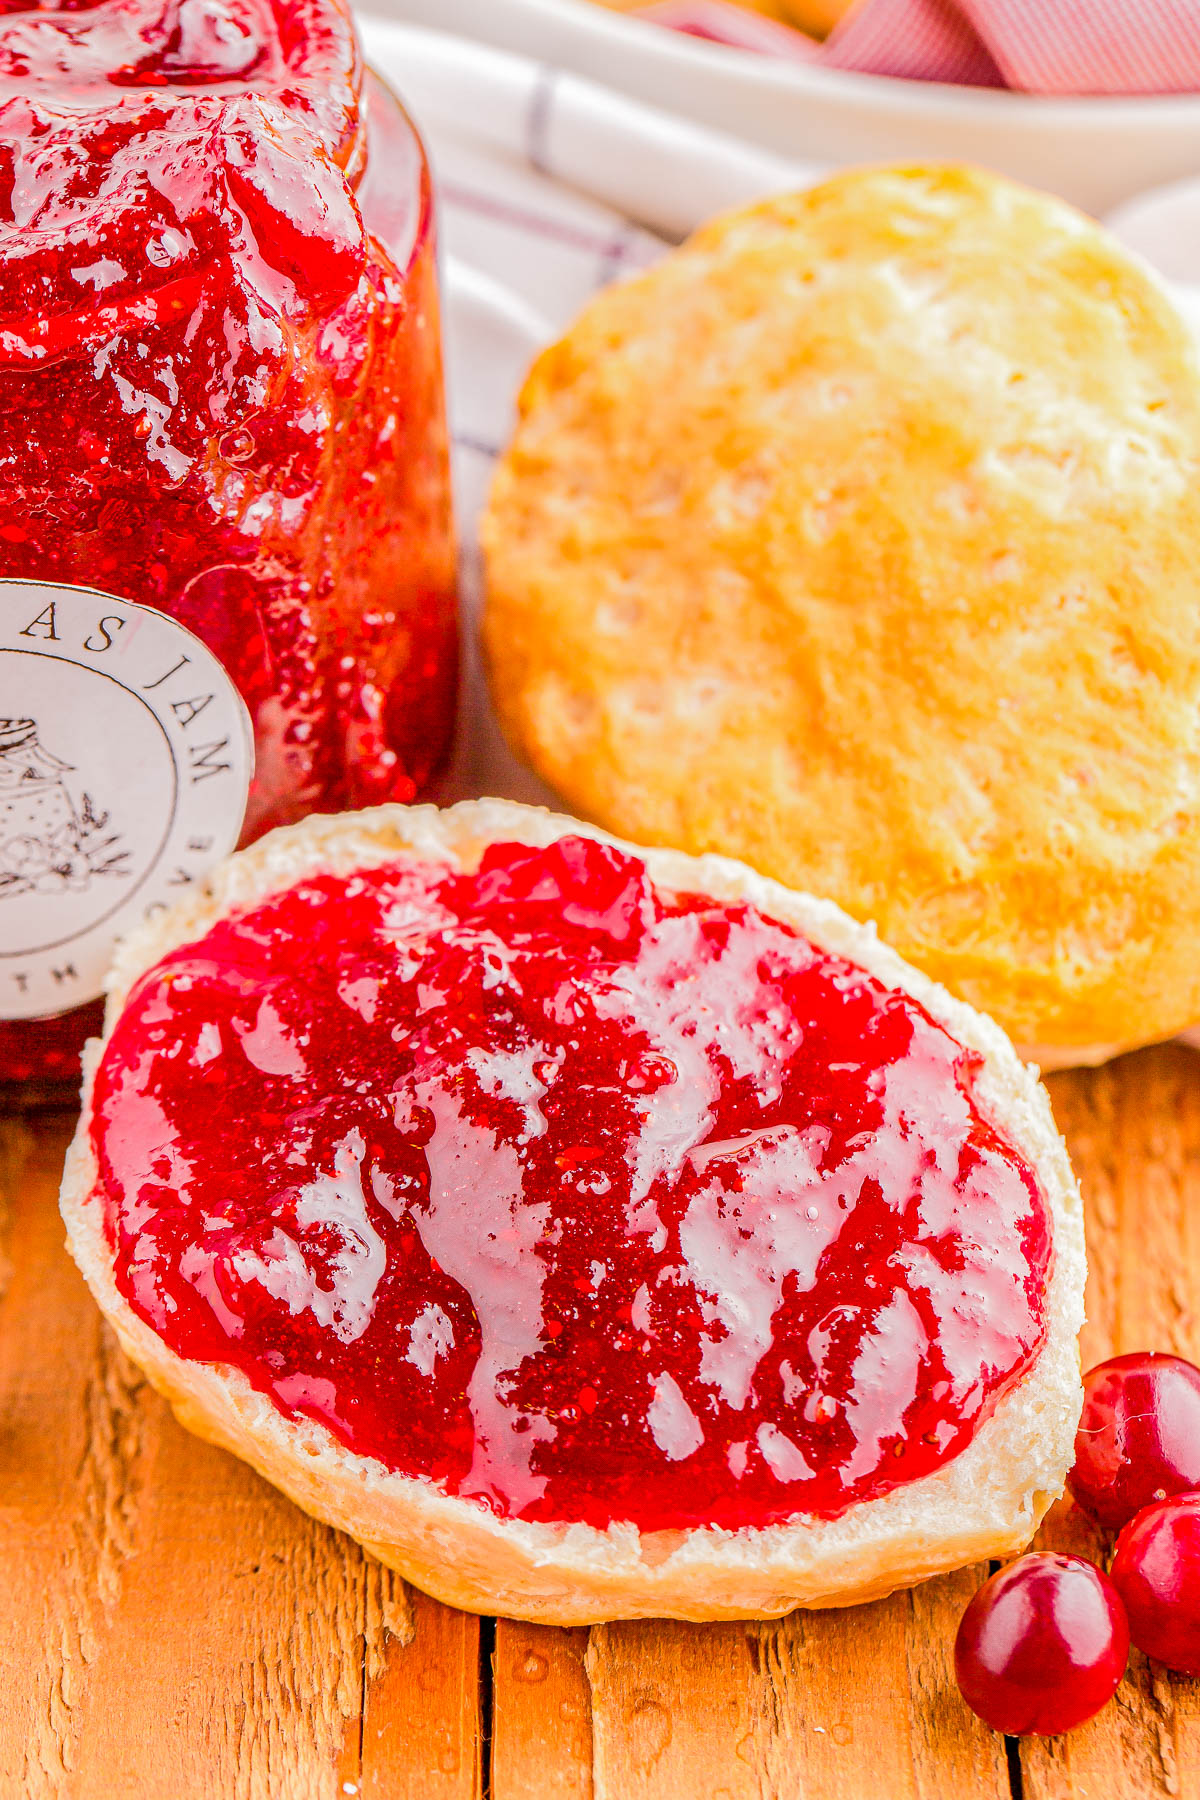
x: 1156, y: 1570
x: 1042, y: 1645
x: 1139, y: 1437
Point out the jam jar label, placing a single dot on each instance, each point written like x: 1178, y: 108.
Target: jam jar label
x: 125, y: 760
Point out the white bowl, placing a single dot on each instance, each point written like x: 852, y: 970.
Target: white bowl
x: 1096, y: 152
x: 1164, y: 227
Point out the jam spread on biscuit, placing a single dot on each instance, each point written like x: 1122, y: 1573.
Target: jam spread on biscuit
x: 587, y: 1200
x: 220, y: 378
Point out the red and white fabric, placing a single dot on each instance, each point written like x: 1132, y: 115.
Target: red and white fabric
x: 1037, y: 46
x: 923, y: 40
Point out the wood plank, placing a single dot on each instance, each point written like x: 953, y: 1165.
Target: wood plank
x: 541, y: 1718
x: 1133, y: 1129
x: 169, y: 1625
x: 854, y: 1703
x: 422, y: 1723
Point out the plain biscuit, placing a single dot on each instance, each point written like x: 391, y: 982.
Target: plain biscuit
x: 860, y: 539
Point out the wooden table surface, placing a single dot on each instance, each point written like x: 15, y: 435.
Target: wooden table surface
x: 173, y: 1629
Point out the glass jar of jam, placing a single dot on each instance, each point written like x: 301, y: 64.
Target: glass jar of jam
x: 221, y: 399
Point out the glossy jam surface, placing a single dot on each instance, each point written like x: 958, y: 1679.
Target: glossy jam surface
x: 589, y: 1201
x: 1042, y: 1646
x: 1138, y: 1437
x: 94, y: 55
x: 220, y: 372
x: 1156, y: 1568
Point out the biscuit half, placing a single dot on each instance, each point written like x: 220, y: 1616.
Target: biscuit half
x: 858, y: 539
x: 984, y: 1502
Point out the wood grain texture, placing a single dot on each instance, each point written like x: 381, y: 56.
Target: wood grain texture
x: 541, y: 1715
x: 170, y: 1627
x: 854, y: 1703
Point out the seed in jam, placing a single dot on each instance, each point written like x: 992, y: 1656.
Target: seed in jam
x: 583, y: 1199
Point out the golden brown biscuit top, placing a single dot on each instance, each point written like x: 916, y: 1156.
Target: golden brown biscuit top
x: 861, y: 539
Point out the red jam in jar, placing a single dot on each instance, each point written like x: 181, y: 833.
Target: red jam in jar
x: 586, y: 1200
x: 220, y: 379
